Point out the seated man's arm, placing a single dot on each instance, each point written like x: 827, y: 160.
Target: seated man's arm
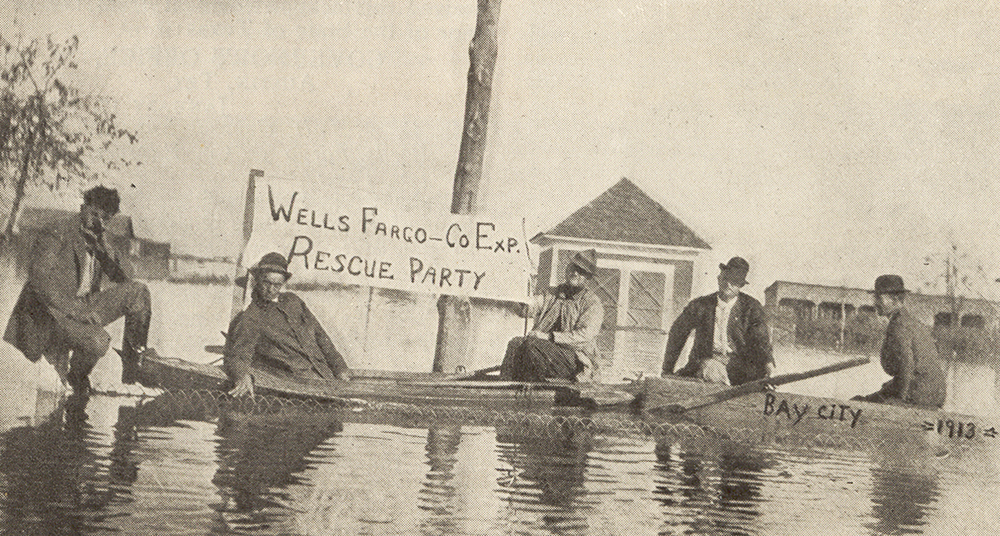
x: 117, y: 269
x: 679, y: 333
x: 237, y: 358
x: 587, y: 326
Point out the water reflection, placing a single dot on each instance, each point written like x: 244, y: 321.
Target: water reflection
x: 439, y: 495
x: 545, y: 482
x: 259, y: 456
x: 902, y: 498
x: 183, y: 465
x: 54, y: 480
x: 710, y: 488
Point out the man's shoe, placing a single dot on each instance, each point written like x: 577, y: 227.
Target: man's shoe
x: 133, y: 371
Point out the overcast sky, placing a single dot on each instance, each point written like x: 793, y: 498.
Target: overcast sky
x: 827, y: 142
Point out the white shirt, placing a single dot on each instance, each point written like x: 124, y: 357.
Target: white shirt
x: 720, y: 341
x: 86, y: 276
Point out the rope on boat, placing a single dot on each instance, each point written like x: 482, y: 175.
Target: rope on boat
x: 199, y: 404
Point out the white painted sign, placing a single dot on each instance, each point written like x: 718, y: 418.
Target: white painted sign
x: 350, y: 237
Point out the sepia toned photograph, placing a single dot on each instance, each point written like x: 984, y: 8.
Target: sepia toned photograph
x: 497, y: 267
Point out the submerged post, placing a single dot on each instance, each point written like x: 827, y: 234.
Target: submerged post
x: 239, y: 294
x: 455, y: 312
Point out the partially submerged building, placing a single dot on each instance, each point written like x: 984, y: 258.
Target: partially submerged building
x: 646, y: 264
x: 793, y: 306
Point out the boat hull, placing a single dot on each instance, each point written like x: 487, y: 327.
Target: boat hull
x: 793, y: 419
x: 399, y: 387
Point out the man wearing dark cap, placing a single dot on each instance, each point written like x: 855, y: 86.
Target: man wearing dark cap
x: 731, y: 341
x: 909, y: 354
x: 278, y: 331
x: 77, y: 284
x: 562, y: 343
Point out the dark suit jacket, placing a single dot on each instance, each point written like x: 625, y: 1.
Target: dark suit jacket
x: 49, y: 296
x: 289, y: 338
x: 747, y: 333
x: 910, y: 356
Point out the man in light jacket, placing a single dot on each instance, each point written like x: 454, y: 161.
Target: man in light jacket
x: 562, y: 342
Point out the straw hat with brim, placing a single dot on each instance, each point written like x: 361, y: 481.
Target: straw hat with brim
x: 271, y: 262
x: 736, y: 270
x: 889, y: 284
x: 585, y: 262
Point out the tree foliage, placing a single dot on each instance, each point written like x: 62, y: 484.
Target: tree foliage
x: 52, y: 134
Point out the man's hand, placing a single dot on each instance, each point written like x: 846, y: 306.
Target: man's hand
x: 539, y: 335
x: 244, y: 386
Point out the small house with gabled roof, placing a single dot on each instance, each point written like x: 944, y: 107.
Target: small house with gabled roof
x: 646, y: 262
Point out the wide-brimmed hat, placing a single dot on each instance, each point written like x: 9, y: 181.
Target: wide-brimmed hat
x: 272, y: 262
x: 585, y: 261
x: 889, y: 284
x: 736, y: 270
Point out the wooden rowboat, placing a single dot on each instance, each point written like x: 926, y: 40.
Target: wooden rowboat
x: 393, y: 386
x: 793, y: 419
x: 767, y: 416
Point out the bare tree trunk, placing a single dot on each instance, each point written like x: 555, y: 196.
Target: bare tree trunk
x: 454, y: 312
x: 22, y: 180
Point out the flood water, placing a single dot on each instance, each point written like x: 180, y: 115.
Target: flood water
x: 185, y: 464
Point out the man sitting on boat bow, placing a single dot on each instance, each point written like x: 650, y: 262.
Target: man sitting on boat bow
x: 278, y: 331
x: 561, y: 344
x: 908, y: 354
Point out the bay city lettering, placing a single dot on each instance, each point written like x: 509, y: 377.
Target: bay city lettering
x: 795, y: 412
x: 302, y: 246
x: 454, y: 235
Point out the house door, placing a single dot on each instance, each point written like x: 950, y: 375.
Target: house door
x: 635, y: 299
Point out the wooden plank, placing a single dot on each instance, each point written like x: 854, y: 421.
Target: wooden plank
x: 755, y: 386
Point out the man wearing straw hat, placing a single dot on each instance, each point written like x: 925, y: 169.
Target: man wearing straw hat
x: 731, y: 341
x: 908, y: 354
x: 278, y: 331
x: 562, y: 342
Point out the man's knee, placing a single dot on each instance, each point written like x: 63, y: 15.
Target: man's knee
x: 97, y: 342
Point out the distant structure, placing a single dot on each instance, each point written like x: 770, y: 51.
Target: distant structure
x: 801, y: 312
x: 185, y: 266
x: 148, y: 258
x: 646, y: 262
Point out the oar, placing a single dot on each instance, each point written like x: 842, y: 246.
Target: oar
x: 754, y: 387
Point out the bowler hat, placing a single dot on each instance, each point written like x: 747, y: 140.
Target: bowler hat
x: 889, y: 284
x: 585, y: 261
x: 272, y: 262
x: 736, y: 270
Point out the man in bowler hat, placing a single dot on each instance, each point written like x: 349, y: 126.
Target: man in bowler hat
x: 731, y: 341
x: 908, y: 354
x: 562, y: 342
x: 278, y: 331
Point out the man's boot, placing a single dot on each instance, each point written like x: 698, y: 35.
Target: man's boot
x: 134, y: 347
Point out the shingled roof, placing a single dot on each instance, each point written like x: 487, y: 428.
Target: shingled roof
x: 624, y: 213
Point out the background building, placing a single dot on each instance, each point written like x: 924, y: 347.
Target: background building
x: 821, y: 315
x: 149, y: 259
x: 646, y: 261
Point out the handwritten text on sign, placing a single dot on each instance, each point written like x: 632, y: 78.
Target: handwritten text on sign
x: 342, y: 236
